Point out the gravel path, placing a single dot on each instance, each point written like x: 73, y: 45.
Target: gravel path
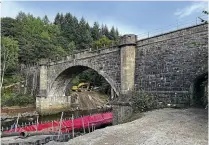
x: 158, y: 127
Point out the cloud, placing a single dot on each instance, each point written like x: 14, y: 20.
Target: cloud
x: 193, y: 8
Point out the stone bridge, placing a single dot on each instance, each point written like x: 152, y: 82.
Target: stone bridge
x: 167, y: 65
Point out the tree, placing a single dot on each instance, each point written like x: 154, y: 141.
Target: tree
x: 38, y: 38
x: 7, y: 26
x: 69, y: 27
x: 71, y: 47
x: 113, y: 34
x: 84, y: 38
x: 104, y: 41
x: 95, y: 31
x: 57, y: 19
x: 45, y: 20
x: 9, y: 55
x: 105, y: 31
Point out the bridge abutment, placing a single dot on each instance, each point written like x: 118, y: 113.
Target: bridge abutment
x: 121, y: 112
x: 46, y: 104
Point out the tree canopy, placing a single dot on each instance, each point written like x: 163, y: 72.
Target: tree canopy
x: 39, y: 38
x: 33, y: 38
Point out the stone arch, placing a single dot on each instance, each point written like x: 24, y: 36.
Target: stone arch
x: 198, y: 89
x: 62, y: 80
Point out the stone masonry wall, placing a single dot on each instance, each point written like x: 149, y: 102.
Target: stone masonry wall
x: 106, y: 62
x: 166, y: 65
x: 58, y: 74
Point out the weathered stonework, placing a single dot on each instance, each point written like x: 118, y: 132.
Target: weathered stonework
x: 165, y: 65
x: 121, y: 113
x: 58, y: 75
x: 127, y: 52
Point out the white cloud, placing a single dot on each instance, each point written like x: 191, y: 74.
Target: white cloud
x: 193, y: 8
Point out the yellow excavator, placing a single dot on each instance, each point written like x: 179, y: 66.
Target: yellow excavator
x: 81, y: 86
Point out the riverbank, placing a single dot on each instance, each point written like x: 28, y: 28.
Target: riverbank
x: 11, y: 113
x: 82, y: 103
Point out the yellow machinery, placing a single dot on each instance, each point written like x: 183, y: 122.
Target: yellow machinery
x: 81, y: 85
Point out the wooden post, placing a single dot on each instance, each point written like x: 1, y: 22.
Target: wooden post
x: 83, y: 125
x: 72, y: 126
x: 60, y: 125
x: 37, y: 124
x: 92, y: 127
x: 52, y: 126
x: 88, y: 127
x: 17, y: 122
x: 2, y: 128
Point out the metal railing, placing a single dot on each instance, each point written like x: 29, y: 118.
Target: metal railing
x: 173, y: 27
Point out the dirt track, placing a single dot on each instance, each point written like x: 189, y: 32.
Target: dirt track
x: 159, y: 127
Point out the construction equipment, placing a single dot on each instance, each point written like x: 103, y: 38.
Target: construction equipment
x: 80, y: 87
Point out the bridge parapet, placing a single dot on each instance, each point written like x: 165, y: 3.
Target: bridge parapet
x: 80, y: 55
x: 189, y: 31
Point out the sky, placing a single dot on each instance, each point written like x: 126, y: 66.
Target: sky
x: 136, y: 17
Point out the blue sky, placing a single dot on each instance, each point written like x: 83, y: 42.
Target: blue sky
x: 136, y: 17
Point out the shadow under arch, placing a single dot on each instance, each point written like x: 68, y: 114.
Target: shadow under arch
x: 59, y: 85
x: 198, y: 89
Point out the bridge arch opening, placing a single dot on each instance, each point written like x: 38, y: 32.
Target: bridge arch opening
x: 63, y: 82
x: 200, y: 91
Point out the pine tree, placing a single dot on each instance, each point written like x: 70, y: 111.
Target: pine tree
x: 105, y: 31
x: 45, y: 20
x: 84, y: 38
x: 95, y: 31
x: 57, y: 19
x: 69, y: 27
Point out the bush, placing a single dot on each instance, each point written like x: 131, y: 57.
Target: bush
x: 13, y: 99
x: 8, y: 80
x: 144, y: 101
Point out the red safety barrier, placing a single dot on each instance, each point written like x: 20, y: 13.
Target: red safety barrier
x: 86, y: 121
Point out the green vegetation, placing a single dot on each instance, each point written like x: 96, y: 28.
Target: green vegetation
x: 144, y: 101
x: 39, y: 38
x: 13, y: 99
x: 94, y: 79
x: 9, y: 56
x: 11, y: 79
x: 27, y: 39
